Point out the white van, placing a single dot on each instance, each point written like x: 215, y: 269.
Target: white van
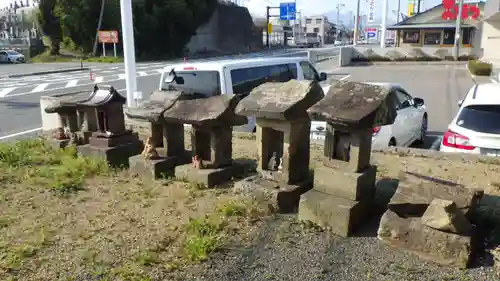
x: 236, y: 76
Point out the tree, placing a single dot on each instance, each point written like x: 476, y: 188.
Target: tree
x: 50, y: 23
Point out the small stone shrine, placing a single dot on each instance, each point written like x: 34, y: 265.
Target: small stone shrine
x: 164, y: 149
x: 103, y: 115
x: 212, y: 120
x: 431, y: 218
x: 344, y: 186
x: 283, y: 129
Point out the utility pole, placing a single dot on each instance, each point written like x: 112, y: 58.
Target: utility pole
x: 339, y: 6
x: 399, y: 10
x: 418, y: 6
x: 267, y: 27
x: 458, y: 28
x: 384, y: 23
x: 99, y: 23
x: 129, y: 50
x: 356, y: 24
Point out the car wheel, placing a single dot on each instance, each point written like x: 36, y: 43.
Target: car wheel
x: 9, y: 61
x: 423, y: 130
x: 392, y: 142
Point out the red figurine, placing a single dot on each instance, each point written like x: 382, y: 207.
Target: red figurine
x: 197, y: 162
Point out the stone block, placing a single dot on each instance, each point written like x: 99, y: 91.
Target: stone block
x: 414, y: 194
x: 445, y: 216
x: 159, y: 168
x: 410, y: 234
x: 117, y: 156
x: 58, y: 144
x: 346, y: 184
x: 283, y: 197
x: 208, y: 177
x: 342, y: 216
x: 127, y: 137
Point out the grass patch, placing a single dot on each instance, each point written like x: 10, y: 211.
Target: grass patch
x: 480, y: 68
x: 47, y: 57
x: 104, y: 59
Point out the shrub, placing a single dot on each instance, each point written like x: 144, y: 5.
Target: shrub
x: 480, y: 68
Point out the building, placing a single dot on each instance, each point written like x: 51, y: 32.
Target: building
x: 491, y: 32
x: 429, y: 29
x: 321, y: 26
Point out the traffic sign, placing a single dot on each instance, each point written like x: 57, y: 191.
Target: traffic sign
x: 269, y: 28
x: 372, y: 34
x: 287, y: 11
x: 108, y: 36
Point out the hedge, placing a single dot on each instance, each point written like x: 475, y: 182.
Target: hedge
x: 378, y: 58
x: 480, y: 68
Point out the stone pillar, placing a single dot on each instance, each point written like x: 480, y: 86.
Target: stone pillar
x: 116, y: 119
x: 173, y: 139
x: 295, y: 161
x: 200, y: 142
x: 361, y: 150
x: 268, y: 141
x: 156, y: 130
x: 72, y: 122
x: 221, y: 147
x: 91, y: 116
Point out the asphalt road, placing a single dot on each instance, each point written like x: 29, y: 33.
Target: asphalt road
x: 20, y: 97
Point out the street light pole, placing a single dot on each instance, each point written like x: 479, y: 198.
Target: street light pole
x: 339, y: 6
x: 384, y: 23
x: 129, y: 50
x: 458, y: 27
x: 356, y: 24
x: 399, y: 10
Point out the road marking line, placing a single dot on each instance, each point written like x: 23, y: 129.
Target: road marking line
x: 6, y: 91
x: 115, y: 67
x: 20, y: 133
x: 159, y: 70
x: 345, y: 77
x: 99, y: 79
x: 71, y: 83
x: 121, y: 76
x: 142, y: 73
x: 40, y: 87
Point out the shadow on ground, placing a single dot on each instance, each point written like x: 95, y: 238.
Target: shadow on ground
x: 19, y: 105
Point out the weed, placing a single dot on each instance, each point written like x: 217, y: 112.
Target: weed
x: 204, y: 237
x: 232, y: 209
x: 147, y: 258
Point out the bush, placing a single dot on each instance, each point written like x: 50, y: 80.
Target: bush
x: 480, y: 68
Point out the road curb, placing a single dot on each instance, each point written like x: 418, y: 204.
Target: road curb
x: 45, y: 72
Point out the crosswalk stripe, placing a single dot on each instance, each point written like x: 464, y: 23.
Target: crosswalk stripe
x: 121, y: 76
x: 6, y: 91
x: 99, y: 79
x: 71, y: 83
x: 40, y: 87
x: 159, y: 70
x: 142, y: 73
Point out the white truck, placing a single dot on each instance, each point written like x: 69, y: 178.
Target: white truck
x: 236, y: 76
x: 308, y: 40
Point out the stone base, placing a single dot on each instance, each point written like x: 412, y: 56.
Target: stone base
x: 342, y: 216
x: 411, y: 235
x: 162, y: 167
x: 208, y: 177
x: 58, y: 144
x: 284, y: 197
x: 117, y: 156
x: 346, y: 184
x: 115, y: 140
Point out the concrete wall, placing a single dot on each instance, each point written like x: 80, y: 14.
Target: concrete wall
x: 491, y: 40
x: 400, y: 52
x: 345, y: 55
x: 230, y: 30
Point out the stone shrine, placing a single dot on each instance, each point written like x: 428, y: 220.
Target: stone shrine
x: 431, y: 218
x: 211, y: 119
x: 344, y: 186
x: 283, y: 129
x: 164, y: 149
x: 102, y: 111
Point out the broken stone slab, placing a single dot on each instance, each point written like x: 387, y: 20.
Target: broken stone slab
x: 410, y: 234
x: 445, y: 216
x: 151, y: 110
x: 341, y: 216
x: 281, y: 101
x: 208, y: 111
x: 416, y: 192
x: 352, y: 106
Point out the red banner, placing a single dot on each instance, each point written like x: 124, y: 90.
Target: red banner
x: 451, y: 11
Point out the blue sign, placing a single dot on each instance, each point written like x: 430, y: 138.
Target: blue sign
x: 287, y: 11
x: 372, y: 34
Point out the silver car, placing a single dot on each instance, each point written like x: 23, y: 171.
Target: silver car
x: 11, y: 57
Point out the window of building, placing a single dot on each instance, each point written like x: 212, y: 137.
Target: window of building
x: 449, y: 36
x: 246, y: 79
x: 318, y: 21
x: 411, y: 36
x: 316, y: 29
x: 432, y: 38
x: 309, y: 21
x: 467, y: 36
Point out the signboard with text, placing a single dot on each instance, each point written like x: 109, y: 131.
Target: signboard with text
x: 108, y: 37
x: 371, y: 10
x: 371, y: 32
x: 469, y: 11
x: 287, y: 11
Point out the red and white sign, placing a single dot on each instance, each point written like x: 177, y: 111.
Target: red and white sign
x: 451, y: 11
x: 110, y: 37
x: 371, y: 29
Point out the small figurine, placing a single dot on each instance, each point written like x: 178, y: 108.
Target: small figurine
x: 149, y: 151
x: 60, y: 134
x: 197, y: 162
x: 74, y: 139
x: 273, y: 163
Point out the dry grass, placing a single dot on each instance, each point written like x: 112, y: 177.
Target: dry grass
x: 64, y: 217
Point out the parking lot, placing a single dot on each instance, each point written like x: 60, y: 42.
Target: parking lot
x: 441, y: 86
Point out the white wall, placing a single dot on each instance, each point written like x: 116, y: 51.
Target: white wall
x: 491, y: 40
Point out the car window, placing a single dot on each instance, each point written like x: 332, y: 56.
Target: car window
x: 246, y: 79
x: 3, y: 53
x: 480, y: 118
x: 12, y: 53
x: 309, y: 71
x: 404, y: 100
x: 206, y: 83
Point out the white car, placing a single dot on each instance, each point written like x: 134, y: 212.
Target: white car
x: 11, y: 57
x: 476, y: 127
x: 409, y: 127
